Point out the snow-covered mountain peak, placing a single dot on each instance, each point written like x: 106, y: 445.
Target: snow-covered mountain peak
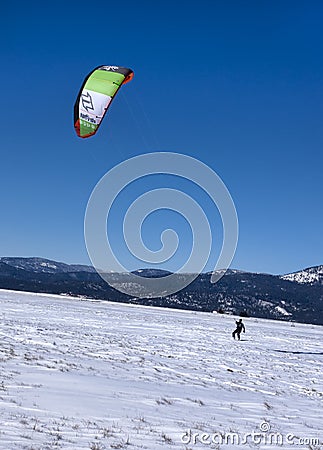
x: 312, y: 275
x: 42, y: 265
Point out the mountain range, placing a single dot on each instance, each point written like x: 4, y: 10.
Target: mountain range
x: 294, y: 297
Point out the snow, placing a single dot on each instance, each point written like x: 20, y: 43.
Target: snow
x: 50, y: 266
x: 80, y: 374
x: 282, y: 311
x: 311, y: 275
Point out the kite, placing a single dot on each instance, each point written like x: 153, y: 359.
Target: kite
x: 95, y: 96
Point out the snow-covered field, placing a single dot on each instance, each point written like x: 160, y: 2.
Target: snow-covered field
x: 79, y: 374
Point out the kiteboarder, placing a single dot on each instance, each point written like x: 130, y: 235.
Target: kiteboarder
x: 239, y: 329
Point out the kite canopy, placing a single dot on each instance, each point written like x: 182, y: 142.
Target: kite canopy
x: 95, y: 96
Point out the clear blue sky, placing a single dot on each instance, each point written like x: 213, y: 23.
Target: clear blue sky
x: 238, y: 85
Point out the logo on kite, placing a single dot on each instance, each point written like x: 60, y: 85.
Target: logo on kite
x: 87, y: 102
x: 113, y: 68
x: 103, y: 83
